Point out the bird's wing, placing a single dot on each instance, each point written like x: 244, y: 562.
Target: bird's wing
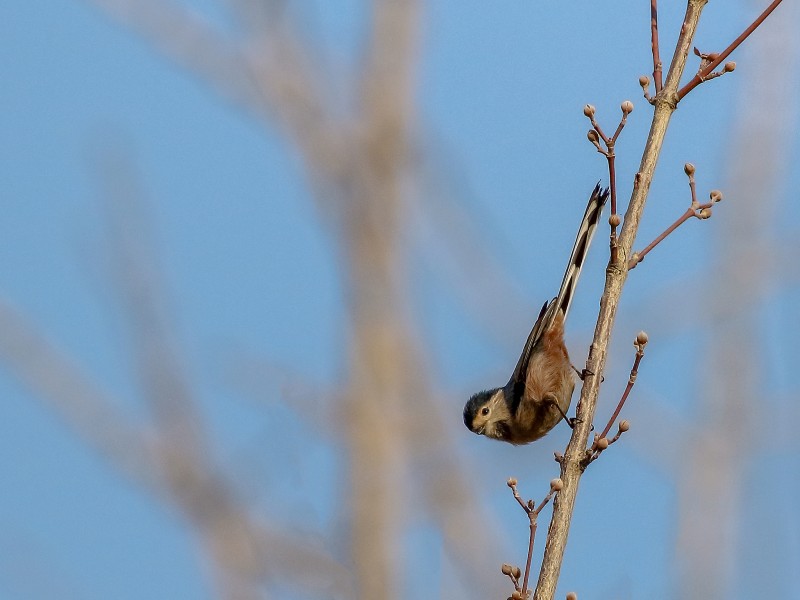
x: 546, y: 316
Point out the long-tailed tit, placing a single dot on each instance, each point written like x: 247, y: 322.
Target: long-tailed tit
x: 539, y: 392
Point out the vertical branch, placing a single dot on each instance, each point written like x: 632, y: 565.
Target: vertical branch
x: 186, y: 473
x: 572, y: 463
x: 381, y: 353
x: 358, y: 172
x: 169, y: 457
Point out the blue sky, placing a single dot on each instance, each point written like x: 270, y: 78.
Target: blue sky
x: 251, y: 274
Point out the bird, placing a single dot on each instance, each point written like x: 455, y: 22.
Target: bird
x: 539, y: 392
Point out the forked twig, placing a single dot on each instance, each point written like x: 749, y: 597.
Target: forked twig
x: 532, y: 510
x: 594, y: 135
x: 697, y: 210
x: 714, y: 60
x: 601, y: 442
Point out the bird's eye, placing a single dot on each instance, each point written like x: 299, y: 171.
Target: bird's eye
x: 485, y: 411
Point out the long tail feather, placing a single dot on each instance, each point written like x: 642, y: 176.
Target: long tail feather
x: 564, y: 298
x: 588, y: 226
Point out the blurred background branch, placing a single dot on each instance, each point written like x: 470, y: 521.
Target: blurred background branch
x: 345, y: 471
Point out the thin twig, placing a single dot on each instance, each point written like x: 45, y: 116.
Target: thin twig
x: 601, y: 442
x: 532, y: 517
x: 595, y: 135
x: 640, y: 342
x: 702, y: 74
x: 638, y: 257
x: 644, y: 82
x: 697, y: 210
x: 657, y: 66
x: 627, y: 108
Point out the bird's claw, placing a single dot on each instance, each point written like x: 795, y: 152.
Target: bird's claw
x: 582, y: 374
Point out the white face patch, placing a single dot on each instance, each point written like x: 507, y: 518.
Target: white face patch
x: 495, y: 424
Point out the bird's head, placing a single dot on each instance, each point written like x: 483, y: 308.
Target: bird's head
x: 486, y: 413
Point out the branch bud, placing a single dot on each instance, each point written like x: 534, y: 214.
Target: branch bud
x: 512, y: 481
x: 624, y: 425
x: 506, y: 569
x: 715, y: 195
x: 602, y: 443
x: 614, y: 220
x: 644, y: 81
x: 627, y: 107
x: 641, y: 339
x: 729, y: 66
x: 556, y: 484
x: 705, y: 213
x: 688, y: 168
x: 572, y: 596
x: 588, y: 110
x: 516, y: 572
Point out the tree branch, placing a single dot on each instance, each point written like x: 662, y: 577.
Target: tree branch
x: 705, y: 71
x: 573, y: 460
